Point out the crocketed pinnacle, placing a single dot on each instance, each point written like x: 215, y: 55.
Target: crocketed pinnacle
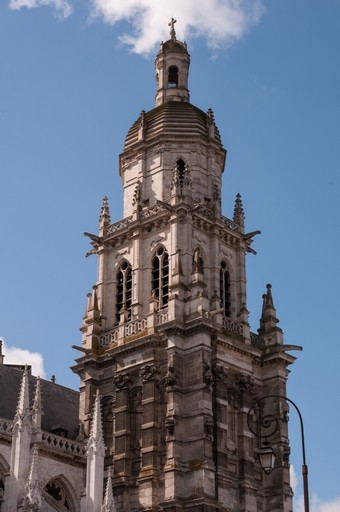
x: 33, y: 487
x: 108, y: 503
x: 37, y: 407
x: 22, y: 411
x: 96, y: 434
x: 238, y: 211
x: 104, y: 219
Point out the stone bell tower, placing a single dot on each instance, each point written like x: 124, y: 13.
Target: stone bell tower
x: 166, y: 340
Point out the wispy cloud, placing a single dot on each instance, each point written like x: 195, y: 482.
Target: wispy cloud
x: 62, y: 8
x: 15, y: 355
x: 219, y: 22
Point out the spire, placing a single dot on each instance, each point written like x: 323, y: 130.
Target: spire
x: 268, y: 319
x: 108, y: 503
x: 22, y: 413
x: 104, y: 219
x: 238, y: 211
x: 36, y: 408
x: 33, y: 498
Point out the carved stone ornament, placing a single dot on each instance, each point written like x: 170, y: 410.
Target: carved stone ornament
x: 170, y: 426
x: 148, y: 372
x: 170, y: 377
x: 122, y: 381
x: 208, y: 376
x: 245, y: 383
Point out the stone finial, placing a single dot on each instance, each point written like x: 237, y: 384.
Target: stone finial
x: 104, y: 219
x: 108, y: 503
x: 238, y: 211
x: 33, y: 497
x: 172, y: 29
x: 37, y: 407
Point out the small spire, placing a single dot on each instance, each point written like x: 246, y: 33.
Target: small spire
x: 22, y: 411
x: 238, y: 211
x: 104, y: 219
x: 36, y: 407
x: 268, y: 319
x: 108, y: 503
x: 33, y: 488
x: 172, y: 29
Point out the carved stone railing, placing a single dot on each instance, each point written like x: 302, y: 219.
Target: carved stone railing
x: 131, y: 328
x: 119, y: 225
x: 63, y: 444
x: 108, y: 338
x: 135, y: 327
x: 256, y: 341
x: 232, y: 326
x: 162, y: 316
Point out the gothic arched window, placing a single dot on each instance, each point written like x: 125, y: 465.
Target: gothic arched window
x: 160, y: 276
x: 173, y: 76
x: 225, y: 288
x: 57, y: 496
x: 124, y: 290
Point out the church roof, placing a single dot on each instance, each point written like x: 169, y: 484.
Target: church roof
x: 173, y: 119
x: 59, y: 404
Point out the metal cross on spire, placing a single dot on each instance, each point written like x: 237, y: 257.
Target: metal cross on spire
x: 172, y: 30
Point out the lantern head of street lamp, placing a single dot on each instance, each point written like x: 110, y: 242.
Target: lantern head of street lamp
x: 267, y: 458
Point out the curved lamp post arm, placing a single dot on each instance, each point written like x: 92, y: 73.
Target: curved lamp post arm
x: 304, y: 464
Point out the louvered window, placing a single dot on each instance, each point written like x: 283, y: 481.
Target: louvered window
x: 225, y: 288
x: 124, y: 290
x: 160, y: 276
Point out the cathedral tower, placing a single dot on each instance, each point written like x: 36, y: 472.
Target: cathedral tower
x: 166, y: 340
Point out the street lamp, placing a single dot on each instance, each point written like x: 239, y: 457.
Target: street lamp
x: 266, y: 453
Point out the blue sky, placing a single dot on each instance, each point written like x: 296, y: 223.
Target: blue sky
x: 75, y: 74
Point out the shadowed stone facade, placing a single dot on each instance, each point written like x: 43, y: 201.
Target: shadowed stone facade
x: 169, y: 367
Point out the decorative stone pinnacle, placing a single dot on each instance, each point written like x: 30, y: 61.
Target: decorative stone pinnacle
x: 37, y: 407
x: 22, y: 411
x: 238, y: 210
x: 172, y: 29
x: 33, y: 488
x: 108, y: 504
x: 96, y: 428
x: 104, y: 219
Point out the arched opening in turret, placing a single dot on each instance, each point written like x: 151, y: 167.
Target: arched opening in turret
x: 225, y: 288
x: 181, y: 168
x: 173, y: 77
x: 124, y: 290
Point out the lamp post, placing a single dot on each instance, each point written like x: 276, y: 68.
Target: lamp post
x: 266, y: 453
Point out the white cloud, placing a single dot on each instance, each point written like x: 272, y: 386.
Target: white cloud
x: 317, y: 505
x: 62, y: 8
x: 15, y: 355
x: 219, y: 22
